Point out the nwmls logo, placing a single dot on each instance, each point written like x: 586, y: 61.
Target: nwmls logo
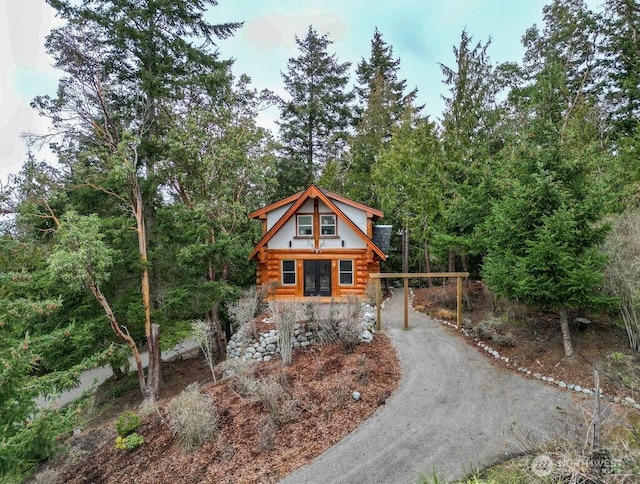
x: 544, y: 466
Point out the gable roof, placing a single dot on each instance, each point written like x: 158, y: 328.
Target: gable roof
x: 299, y: 199
x: 262, y: 212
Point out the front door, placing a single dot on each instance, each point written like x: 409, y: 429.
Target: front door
x: 317, y: 278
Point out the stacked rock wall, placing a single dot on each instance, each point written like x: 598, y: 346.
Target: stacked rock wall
x: 242, y: 345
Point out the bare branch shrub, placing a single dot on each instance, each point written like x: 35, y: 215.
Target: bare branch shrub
x: 271, y: 394
x: 204, y: 334
x: 371, y: 291
x: 285, y: 316
x: 243, y: 311
x: 193, y: 418
x: 623, y: 271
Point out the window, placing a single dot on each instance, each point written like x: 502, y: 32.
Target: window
x: 327, y: 224
x: 346, y: 272
x: 305, y: 225
x: 288, y: 272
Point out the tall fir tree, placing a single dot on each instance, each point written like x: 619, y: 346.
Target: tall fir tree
x: 381, y: 102
x: 543, y: 235
x: 470, y: 142
x: 315, y: 120
x: 620, y: 60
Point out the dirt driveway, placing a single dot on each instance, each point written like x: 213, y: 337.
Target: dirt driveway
x: 453, y: 412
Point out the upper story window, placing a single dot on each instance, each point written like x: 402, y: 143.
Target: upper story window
x: 305, y: 225
x: 328, y: 224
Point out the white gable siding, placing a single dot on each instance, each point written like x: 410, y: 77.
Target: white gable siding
x: 287, y: 232
x: 357, y: 216
x: 274, y: 215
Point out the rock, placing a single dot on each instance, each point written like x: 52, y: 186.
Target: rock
x: 250, y: 350
x: 232, y: 344
x: 366, y: 336
x: 257, y: 355
x: 301, y: 339
x: 562, y: 384
x: 267, y: 358
x: 629, y: 401
x: 617, y: 399
x: 263, y: 343
x: 577, y: 388
x: 260, y: 349
x: 356, y: 396
x: 271, y: 347
x: 273, y: 332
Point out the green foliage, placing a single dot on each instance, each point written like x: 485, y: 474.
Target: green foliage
x: 82, y: 258
x: 315, y: 120
x: 127, y: 422
x: 130, y: 442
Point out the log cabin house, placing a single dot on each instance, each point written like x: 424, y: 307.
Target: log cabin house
x: 318, y: 244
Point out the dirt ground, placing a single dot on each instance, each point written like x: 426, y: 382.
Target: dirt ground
x: 531, y: 338
x: 250, y: 447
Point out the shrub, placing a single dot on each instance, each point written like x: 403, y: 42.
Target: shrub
x: 130, y: 442
x: 242, y: 312
x: 285, y: 315
x: 271, y: 394
x: 127, y: 423
x: 192, y: 418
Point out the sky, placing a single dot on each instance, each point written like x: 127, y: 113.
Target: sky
x: 421, y: 32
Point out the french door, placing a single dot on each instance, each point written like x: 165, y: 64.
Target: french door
x: 317, y: 278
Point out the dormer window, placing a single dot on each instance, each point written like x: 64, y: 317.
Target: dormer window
x: 305, y: 225
x: 328, y: 225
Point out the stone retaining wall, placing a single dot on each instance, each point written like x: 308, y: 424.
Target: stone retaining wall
x: 244, y: 347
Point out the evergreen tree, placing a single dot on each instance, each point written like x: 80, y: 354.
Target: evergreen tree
x: 381, y: 104
x: 621, y: 63
x: 408, y: 173
x: 127, y: 66
x: 381, y: 64
x: 543, y: 235
x: 315, y: 119
x: 471, y: 141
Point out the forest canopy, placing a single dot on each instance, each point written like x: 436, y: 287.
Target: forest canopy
x: 141, y: 222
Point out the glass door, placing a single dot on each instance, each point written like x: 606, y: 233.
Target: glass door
x: 317, y: 278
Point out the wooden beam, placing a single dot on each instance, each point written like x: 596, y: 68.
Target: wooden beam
x: 417, y: 275
x: 378, y: 303
x: 405, y: 276
x: 406, y: 303
x: 459, y: 301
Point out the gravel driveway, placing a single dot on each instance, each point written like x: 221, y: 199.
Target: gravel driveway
x: 454, y: 412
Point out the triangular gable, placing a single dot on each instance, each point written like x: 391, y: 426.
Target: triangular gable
x: 300, y: 199
x: 262, y: 212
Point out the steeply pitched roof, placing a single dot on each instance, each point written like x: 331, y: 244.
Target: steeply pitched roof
x: 299, y: 199
x: 262, y: 212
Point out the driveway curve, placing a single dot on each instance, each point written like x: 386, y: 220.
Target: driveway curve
x: 453, y: 412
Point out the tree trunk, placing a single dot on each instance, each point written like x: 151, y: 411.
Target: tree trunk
x: 121, y: 334
x: 427, y: 262
x: 566, y: 336
x: 464, y: 258
x: 405, y: 249
x: 452, y: 265
x: 152, y: 391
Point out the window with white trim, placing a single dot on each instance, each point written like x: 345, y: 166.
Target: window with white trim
x: 346, y: 272
x: 288, y: 272
x: 305, y: 225
x: 328, y: 225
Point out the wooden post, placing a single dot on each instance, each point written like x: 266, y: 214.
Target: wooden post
x: 459, y: 300
x: 406, y: 302
x: 378, y: 302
